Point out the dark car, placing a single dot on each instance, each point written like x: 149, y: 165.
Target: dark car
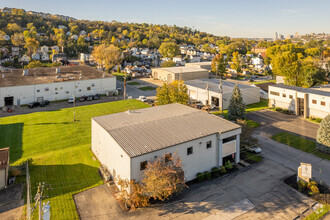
x: 33, y: 104
x: 90, y: 98
x: 97, y: 96
x: 83, y: 98
x: 44, y: 103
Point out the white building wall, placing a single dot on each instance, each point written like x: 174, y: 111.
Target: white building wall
x: 109, y: 153
x: 2, y: 178
x: 57, y: 91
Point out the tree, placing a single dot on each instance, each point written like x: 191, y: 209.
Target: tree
x: 312, y: 73
x: 168, y: 63
x: 34, y: 64
x: 163, y: 177
x: 176, y: 92
x: 17, y: 39
x: 31, y: 45
x: 236, y: 108
x: 236, y: 65
x: 218, y: 64
x: 323, y: 137
x: 2, y: 34
x: 107, y: 56
x: 169, y: 49
x: 13, y: 28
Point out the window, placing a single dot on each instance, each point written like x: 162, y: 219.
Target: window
x: 314, y: 101
x: 284, y: 95
x: 143, y: 165
x: 168, y: 157
x: 229, y: 139
x: 55, y: 89
x: 208, y: 144
x: 46, y: 89
x: 56, y: 93
x: 274, y: 93
x: 323, y: 103
x: 290, y: 96
x: 88, y: 88
x: 61, y: 88
x: 93, y: 84
x: 189, y: 150
x: 38, y: 90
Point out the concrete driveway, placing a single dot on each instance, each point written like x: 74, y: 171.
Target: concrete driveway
x: 11, y: 202
x: 255, y: 192
x: 274, y: 122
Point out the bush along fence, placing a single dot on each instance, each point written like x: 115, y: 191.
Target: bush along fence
x: 215, y: 172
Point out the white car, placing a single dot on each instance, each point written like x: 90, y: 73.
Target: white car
x: 71, y: 100
x: 256, y: 150
x: 142, y: 99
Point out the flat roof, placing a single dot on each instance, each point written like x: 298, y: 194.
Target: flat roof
x: 214, y: 85
x: 43, y: 75
x: 301, y: 89
x: 4, y: 157
x: 146, y: 130
x: 183, y: 69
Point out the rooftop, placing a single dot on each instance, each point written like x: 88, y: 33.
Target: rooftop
x: 213, y: 85
x: 183, y: 69
x: 146, y: 130
x: 48, y: 75
x: 4, y: 157
x: 301, y: 89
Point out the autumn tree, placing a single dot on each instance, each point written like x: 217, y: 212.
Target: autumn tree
x: 175, y: 92
x: 31, y: 45
x: 168, y: 63
x: 236, y: 108
x: 323, y: 137
x: 169, y: 49
x: 107, y: 56
x: 218, y: 64
x: 236, y: 65
x: 17, y: 39
x: 163, y: 178
x: 13, y: 28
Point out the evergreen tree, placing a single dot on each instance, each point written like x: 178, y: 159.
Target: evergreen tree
x: 236, y: 108
x: 323, y: 135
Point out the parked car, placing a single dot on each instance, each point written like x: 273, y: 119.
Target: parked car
x: 90, y: 98
x: 33, y: 104
x: 97, y: 96
x: 118, y: 88
x: 255, y: 150
x: 44, y: 103
x: 150, y: 101
x: 142, y: 99
x: 83, y: 98
x: 72, y: 99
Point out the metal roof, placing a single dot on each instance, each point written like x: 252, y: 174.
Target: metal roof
x: 301, y: 89
x: 183, y: 69
x: 146, y: 130
x: 4, y: 158
x: 214, y: 85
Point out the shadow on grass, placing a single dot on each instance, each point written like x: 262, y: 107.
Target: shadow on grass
x: 11, y: 136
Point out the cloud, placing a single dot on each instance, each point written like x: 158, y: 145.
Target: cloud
x: 293, y: 11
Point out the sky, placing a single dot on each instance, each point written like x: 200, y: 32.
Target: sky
x: 233, y: 18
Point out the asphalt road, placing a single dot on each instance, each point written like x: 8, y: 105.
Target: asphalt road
x: 274, y: 122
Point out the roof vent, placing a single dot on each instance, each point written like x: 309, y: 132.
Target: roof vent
x: 25, y: 72
x: 58, y: 70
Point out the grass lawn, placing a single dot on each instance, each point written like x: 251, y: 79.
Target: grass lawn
x: 60, y: 149
x: 133, y: 83
x: 319, y: 213
x: 252, y: 123
x: 146, y: 88
x: 299, y: 143
x: 266, y: 81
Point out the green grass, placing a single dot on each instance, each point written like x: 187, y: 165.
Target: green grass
x: 133, y: 83
x: 60, y: 149
x: 252, y: 123
x: 266, y: 81
x: 253, y: 157
x: 146, y: 88
x: 299, y: 143
x: 319, y: 213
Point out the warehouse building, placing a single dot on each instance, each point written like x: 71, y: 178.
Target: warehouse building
x: 208, y: 91
x: 184, y: 73
x: 304, y: 102
x: 125, y: 142
x: 18, y: 87
x: 4, y: 167
x: 203, y: 65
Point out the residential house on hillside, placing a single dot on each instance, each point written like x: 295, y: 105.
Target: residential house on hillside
x: 15, y: 51
x: 25, y: 59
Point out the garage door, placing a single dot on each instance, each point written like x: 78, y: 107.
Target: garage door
x: 228, y: 148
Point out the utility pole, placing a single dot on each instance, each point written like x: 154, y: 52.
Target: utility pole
x: 124, y: 87
x: 221, y: 97
x: 208, y: 97
x: 74, y: 108
x: 38, y: 199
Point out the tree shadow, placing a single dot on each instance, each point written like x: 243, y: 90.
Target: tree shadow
x: 11, y: 136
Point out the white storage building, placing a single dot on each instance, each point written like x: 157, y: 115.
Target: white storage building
x: 207, y: 90
x: 18, y: 87
x: 305, y: 102
x: 125, y: 142
x: 184, y: 73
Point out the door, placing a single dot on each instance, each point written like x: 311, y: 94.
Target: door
x: 9, y: 101
x: 300, y: 107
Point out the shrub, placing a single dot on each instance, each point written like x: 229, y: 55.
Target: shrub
x: 16, y: 172
x: 301, y: 185
x: 278, y: 109
x: 312, y: 186
x: 229, y: 166
x: 223, y: 170
x: 118, y: 69
x: 215, y: 172
x: 207, y: 175
x: 322, y: 138
x: 285, y: 111
x: 200, y: 177
x: 318, y: 120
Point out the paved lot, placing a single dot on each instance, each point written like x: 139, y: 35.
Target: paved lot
x: 11, y: 202
x: 135, y: 92
x: 275, y: 122
x: 259, y: 187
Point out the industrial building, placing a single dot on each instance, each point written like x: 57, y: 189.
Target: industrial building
x: 19, y: 87
x: 184, y: 73
x: 208, y: 91
x: 4, y: 167
x: 125, y: 142
x: 306, y: 102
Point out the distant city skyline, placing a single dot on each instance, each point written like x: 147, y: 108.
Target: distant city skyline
x: 246, y: 19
